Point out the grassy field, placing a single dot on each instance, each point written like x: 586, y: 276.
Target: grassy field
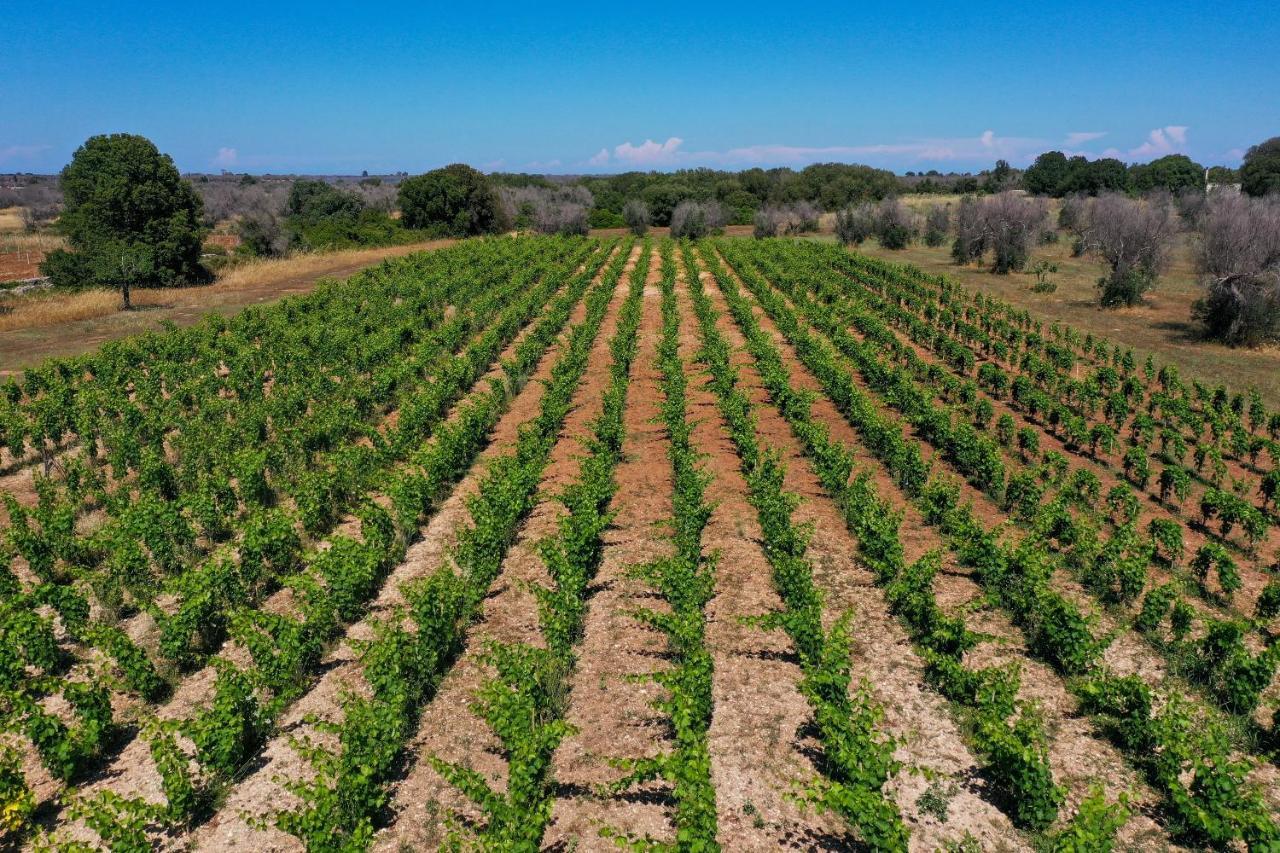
x: 1162, y: 326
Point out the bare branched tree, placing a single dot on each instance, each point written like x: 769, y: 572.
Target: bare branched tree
x: 800, y: 217
x: 970, y: 242
x: 855, y: 224
x: 696, y: 218
x: 562, y: 209
x: 1238, y: 256
x: 1134, y: 237
x: 1011, y: 226
x: 636, y: 214
x: 767, y: 222
x: 895, y: 224
x: 1006, y: 224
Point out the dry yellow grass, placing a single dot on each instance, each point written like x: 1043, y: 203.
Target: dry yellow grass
x: 41, y: 241
x: 43, y: 308
x: 11, y: 219
x: 255, y: 273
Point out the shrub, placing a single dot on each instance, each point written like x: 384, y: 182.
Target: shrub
x: 130, y: 218
x: 1044, y: 284
x: 636, y: 214
x: 456, y: 201
x: 694, y: 219
x: 314, y: 201
x: 262, y: 236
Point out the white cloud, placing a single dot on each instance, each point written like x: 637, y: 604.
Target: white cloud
x: 1079, y: 137
x: 979, y: 149
x: 1162, y: 141
x: 543, y: 165
x: 649, y: 153
x: 226, y: 158
x: 20, y: 152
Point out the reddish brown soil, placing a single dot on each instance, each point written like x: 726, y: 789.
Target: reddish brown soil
x: 17, y: 266
x: 757, y: 755
x: 1253, y: 571
x: 1138, y: 656
x: 261, y: 793
x: 610, y: 710
x: 224, y: 241
x: 425, y: 804
x: 133, y: 773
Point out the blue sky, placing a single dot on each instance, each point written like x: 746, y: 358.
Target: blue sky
x: 337, y: 88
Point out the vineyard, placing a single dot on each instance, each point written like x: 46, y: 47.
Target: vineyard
x: 566, y: 543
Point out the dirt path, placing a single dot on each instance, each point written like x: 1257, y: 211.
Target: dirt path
x: 251, y: 285
x: 612, y: 714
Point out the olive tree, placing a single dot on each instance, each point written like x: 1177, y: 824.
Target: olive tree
x: 129, y: 217
x: 937, y: 222
x: 895, y: 224
x: 1011, y: 224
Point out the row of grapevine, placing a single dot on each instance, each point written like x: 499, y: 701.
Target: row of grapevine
x: 404, y: 663
x: 1018, y: 578
x: 1117, y: 572
x: 857, y: 758
x: 212, y: 600
x: 330, y: 584
x: 686, y: 581
x: 1008, y: 734
x: 524, y: 704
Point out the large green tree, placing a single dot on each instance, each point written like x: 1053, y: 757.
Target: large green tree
x: 1048, y: 175
x: 130, y: 218
x: 1260, y: 172
x: 456, y: 201
x: 1173, y: 172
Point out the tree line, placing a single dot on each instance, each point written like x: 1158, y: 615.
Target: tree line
x: 131, y: 219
